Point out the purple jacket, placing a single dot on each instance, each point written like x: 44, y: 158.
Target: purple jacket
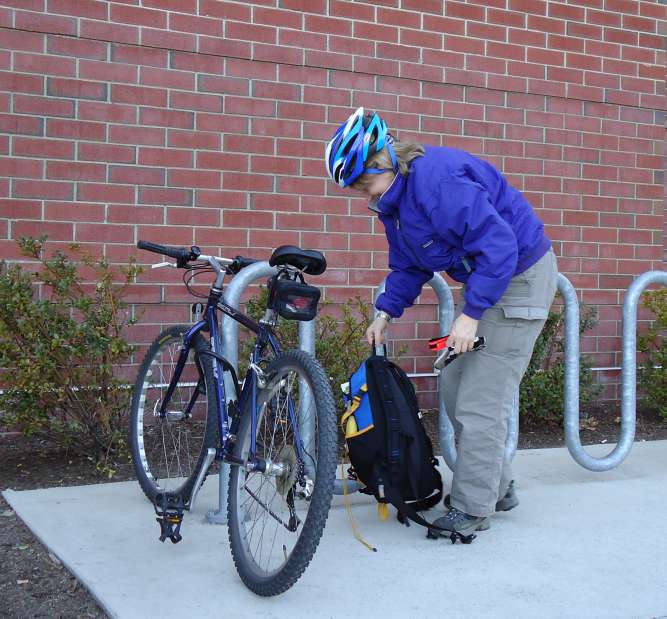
x: 456, y: 213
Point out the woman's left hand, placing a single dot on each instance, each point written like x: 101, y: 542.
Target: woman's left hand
x: 462, y: 334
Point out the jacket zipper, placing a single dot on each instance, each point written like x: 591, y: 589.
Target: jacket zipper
x: 407, y: 245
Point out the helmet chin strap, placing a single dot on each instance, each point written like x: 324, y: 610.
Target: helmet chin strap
x: 392, y: 154
x: 376, y: 170
x: 394, y: 161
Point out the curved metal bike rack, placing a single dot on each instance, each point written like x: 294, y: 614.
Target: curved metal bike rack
x: 256, y: 271
x: 628, y: 377
x: 230, y: 350
x: 446, y: 430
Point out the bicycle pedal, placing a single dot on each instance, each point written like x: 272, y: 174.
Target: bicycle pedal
x: 169, y: 508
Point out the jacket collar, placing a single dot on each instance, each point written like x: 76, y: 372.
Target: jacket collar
x: 388, y: 202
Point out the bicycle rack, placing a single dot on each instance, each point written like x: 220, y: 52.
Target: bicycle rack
x: 571, y: 404
x: 445, y: 319
x: 446, y: 430
x: 628, y: 373
x: 230, y: 350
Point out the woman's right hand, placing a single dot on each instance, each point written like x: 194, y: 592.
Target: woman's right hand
x: 375, y: 333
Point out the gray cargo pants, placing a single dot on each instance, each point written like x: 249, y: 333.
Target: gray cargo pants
x: 480, y: 386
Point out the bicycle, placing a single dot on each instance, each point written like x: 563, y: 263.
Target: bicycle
x: 276, y: 429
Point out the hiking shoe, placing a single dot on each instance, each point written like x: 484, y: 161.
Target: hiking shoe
x: 509, y: 501
x: 456, y: 521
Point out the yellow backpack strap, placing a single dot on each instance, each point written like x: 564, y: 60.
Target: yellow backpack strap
x: 348, y: 508
x: 354, y: 405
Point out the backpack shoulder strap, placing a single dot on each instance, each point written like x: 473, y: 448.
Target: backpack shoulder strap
x: 379, y: 388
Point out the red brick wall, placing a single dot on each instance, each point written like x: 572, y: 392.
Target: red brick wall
x: 203, y: 121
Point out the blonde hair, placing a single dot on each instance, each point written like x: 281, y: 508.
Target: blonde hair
x: 405, y: 153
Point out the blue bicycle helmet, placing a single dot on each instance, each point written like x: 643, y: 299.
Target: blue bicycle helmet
x: 354, y: 143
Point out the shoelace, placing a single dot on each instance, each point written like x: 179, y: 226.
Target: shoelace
x: 455, y: 514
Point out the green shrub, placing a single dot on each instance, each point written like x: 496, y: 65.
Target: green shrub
x: 653, y: 370
x: 340, y: 345
x: 542, y: 394
x: 60, y: 351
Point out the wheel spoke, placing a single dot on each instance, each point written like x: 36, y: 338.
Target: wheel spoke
x: 268, y: 511
x: 272, y: 520
x: 171, y: 447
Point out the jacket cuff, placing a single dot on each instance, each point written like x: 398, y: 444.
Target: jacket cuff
x: 473, y: 311
x: 384, y: 307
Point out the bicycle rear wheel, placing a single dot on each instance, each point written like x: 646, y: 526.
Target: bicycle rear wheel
x: 276, y: 518
x: 168, y: 452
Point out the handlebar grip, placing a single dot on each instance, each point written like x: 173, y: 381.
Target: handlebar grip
x: 179, y: 253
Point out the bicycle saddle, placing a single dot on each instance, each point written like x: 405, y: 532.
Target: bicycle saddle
x: 308, y: 260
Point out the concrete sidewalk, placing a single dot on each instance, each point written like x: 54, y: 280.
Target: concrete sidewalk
x: 581, y: 544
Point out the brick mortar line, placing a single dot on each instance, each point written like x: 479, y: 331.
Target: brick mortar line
x: 368, y: 3
x: 173, y: 89
x: 504, y: 124
x: 168, y: 168
x: 307, y: 66
x: 444, y: 102
x: 423, y: 14
x: 321, y: 230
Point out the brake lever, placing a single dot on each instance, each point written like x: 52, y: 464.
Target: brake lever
x: 445, y: 358
x: 159, y: 265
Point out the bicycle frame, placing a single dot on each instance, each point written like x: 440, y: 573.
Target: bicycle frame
x: 265, y: 337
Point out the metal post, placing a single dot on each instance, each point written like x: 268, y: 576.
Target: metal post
x: 628, y: 378
x: 307, y: 424
x: 446, y: 430
x: 230, y: 350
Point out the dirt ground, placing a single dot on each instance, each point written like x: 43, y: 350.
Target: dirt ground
x: 599, y: 425
x: 33, y: 583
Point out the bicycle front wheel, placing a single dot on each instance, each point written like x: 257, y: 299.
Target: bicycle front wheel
x: 276, y: 517
x: 169, y: 450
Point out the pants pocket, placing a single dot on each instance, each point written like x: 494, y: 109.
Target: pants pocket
x: 531, y: 293
x: 525, y: 313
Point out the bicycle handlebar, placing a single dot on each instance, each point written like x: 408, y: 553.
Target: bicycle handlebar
x: 183, y: 256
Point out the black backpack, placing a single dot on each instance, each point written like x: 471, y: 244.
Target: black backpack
x: 388, y: 446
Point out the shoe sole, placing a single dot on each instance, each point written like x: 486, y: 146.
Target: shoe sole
x: 506, y: 505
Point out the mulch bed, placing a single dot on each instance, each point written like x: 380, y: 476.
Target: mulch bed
x: 599, y: 424
x: 33, y: 583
